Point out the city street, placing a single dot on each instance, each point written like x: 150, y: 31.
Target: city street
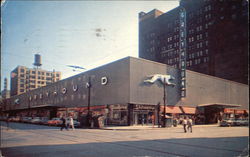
x: 27, y: 140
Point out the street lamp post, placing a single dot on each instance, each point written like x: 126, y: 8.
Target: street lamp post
x: 164, y: 101
x: 88, y: 85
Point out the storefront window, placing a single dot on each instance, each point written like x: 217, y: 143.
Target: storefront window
x: 116, y: 115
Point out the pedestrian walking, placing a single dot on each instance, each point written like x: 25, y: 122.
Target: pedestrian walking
x: 63, y: 124
x: 185, y: 124
x: 7, y: 122
x: 71, y: 123
x: 189, y: 124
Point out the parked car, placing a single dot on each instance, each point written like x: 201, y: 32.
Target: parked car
x: 15, y: 119
x: 241, y: 122
x: 44, y: 120
x: 55, y: 121
x: 26, y: 119
x: 3, y: 118
x: 36, y: 120
x: 228, y: 122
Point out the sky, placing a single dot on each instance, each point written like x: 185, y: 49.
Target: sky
x: 82, y: 33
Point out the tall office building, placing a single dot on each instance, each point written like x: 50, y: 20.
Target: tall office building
x: 24, y: 79
x: 216, y: 37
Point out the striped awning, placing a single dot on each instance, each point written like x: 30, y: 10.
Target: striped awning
x: 188, y: 110
x: 172, y: 109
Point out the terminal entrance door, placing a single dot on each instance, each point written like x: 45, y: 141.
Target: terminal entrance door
x: 142, y: 118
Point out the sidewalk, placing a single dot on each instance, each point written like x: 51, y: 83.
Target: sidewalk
x: 147, y: 127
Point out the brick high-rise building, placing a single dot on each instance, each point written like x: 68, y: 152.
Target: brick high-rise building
x: 216, y: 37
x: 24, y: 79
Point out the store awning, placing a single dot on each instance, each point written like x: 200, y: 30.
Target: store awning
x: 173, y: 109
x: 221, y: 105
x: 237, y: 111
x: 188, y: 110
x: 228, y: 110
x: 45, y: 105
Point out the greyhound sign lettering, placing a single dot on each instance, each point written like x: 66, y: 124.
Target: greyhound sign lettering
x: 160, y: 77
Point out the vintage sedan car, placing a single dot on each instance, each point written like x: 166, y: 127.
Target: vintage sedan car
x: 54, y: 122
x: 241, y: 122
x: 15, y: 119
x: 36, y: 120
x: 44, y: 120
x: 228, y: 122
x: 26, y: 119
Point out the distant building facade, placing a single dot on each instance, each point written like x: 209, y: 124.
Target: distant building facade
x: 25, y: 79
x: 5, y: 93
x: 216, y: 37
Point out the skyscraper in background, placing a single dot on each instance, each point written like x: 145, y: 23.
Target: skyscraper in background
x: 216, y: 37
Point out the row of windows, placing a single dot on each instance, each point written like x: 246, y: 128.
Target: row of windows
x: 198, y: 54
x: 207, y: 8
x: 39, y: 73
x: 200, y: 11
x: 34, y: 77
x: 174, y: 60
x: 198, y: 45
x: 188, y: 63
x: 197, y: 61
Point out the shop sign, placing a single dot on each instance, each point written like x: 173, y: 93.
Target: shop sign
x: 17, y: 101
x: 40, y: 96
x: 75, y: 87
x: 144, y: 107
x: 64, y: 91
x: 162, y: 78
x: 119, y: 106
x: 104, y: 80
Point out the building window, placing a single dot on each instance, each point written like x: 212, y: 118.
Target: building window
x: 234, y: 16
x: 183, y: 93
x: 206, y: 43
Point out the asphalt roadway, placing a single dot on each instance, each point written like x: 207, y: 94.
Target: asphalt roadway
x: 27, y: 140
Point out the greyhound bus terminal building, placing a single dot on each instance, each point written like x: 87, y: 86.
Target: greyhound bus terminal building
x: 129, y: 90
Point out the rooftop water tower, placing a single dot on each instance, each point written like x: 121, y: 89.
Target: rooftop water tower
x: 37, y: 62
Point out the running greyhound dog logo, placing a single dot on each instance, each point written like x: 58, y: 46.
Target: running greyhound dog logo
x: 160, y: 77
